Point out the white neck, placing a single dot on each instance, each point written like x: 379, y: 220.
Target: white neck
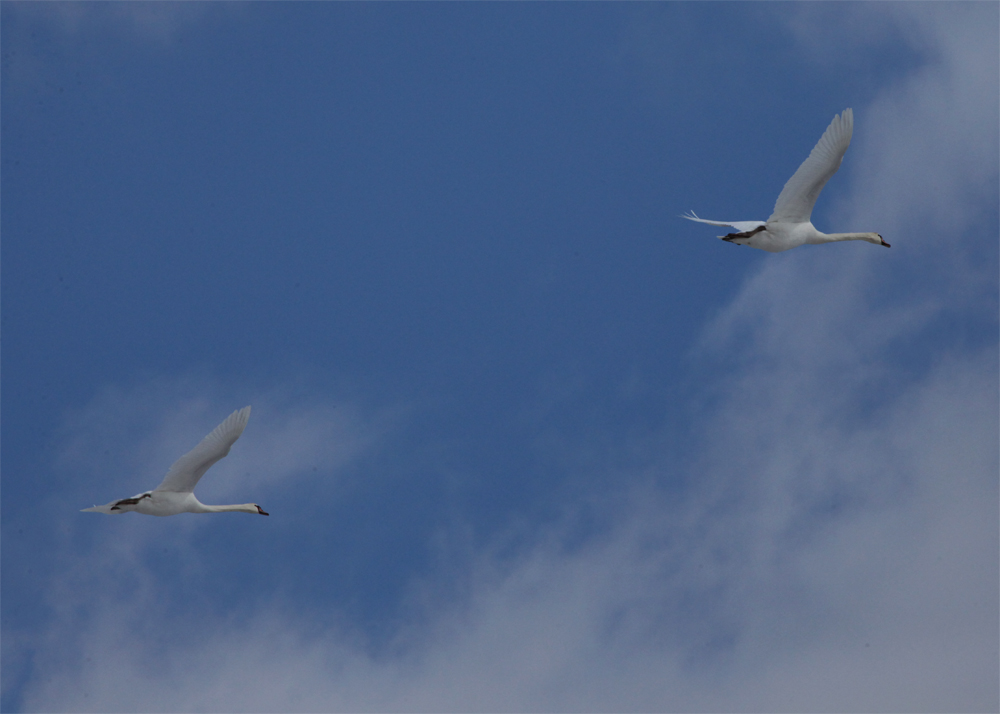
x: 242, y: 507
x: 832, y: 237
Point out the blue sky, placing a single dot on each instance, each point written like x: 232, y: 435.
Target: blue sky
x: 529, y: 441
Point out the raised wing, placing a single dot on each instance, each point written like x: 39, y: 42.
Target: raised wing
x: 740, y: 226
x: 797, y: 198
x: 184, y: 475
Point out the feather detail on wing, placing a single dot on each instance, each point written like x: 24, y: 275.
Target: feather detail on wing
x: 184, y: 475
x: 797, y: 198
x: 740, y: 226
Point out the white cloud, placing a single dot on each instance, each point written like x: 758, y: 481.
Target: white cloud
x: 749, y: 599
x: 150, y: 25
x: 155, y: 22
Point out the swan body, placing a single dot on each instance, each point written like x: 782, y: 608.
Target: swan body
x: 176, y: 492
x: 789, y: 225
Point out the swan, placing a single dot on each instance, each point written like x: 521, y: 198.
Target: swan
x: 176, y: 493
x: 789, y: 226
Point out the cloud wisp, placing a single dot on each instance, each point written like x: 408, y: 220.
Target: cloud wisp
x: 854, y: 556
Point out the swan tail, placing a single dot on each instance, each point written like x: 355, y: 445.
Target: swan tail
x: 748, y: 227
x: 692, y: 216
x: 108, y: 509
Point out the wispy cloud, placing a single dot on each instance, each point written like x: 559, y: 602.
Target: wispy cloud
x: 155, y: 22
x: 855, y: 556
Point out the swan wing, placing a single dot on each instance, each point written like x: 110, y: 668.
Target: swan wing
x: 184, y: 475
x: 740, y: 226
x: 797, y: 198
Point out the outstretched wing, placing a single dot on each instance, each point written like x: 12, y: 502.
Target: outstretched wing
x: 740, y: 226
x: 184, y: 475
x: 797, y: 198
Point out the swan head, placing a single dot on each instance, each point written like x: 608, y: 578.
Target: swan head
x: 878, y: 240
x: 260, y: 510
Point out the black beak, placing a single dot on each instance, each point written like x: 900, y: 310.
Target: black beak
x: 883, y: 242
x: 262, y: 512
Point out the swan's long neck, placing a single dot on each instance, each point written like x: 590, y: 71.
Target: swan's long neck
x: 242, y: 507
x: 833, y: 237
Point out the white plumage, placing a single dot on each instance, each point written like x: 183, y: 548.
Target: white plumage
x: 789, y: 225
x: 175, y: 493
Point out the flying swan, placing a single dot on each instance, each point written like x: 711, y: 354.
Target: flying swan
x: 176, y: 493
x: 789, y: 226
